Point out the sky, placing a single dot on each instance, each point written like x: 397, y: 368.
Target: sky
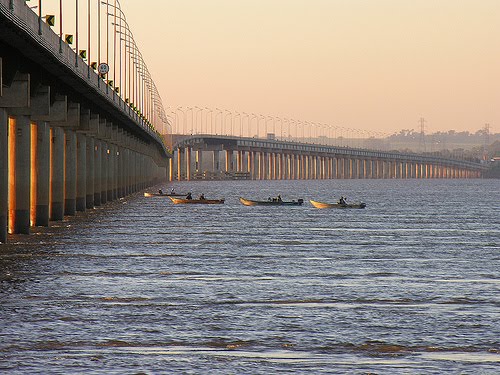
x: 372, y: 65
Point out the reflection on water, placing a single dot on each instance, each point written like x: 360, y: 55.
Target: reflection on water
x: 408, y: 285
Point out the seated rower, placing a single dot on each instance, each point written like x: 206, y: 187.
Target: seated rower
x: 160, y: 192
x: 189, y: 196
x: 202, y: 197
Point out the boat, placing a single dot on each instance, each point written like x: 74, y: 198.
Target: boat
x: 272, y: 202
x: 337, y: 205
x: 149, y: 195
x: 196, y: 201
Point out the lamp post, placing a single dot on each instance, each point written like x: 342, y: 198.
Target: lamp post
x: 183, y: 119
x: 190, y: 131
x: 248, y: 119
x: 237, y: 115
x: 198, y: 110
x: 219, y: 111
x: 254, y: 116
x: 229, y: 113
x: 209, y: 112
x: 261, y: 117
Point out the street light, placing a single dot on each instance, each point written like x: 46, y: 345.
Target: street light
x: 210, y: 111
x: 196, y: 119
x: 219, y: 111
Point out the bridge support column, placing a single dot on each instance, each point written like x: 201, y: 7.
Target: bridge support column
x: 22, y: 175
x: 188, y: 163
x: 260, y: 166
x: 4, y: 172
x: 294, y: 170
x: 170, y: 169
x: 57, y: 174
x: 179, y: 164
x: 283, y: 167
x: 348, y: 168
x: 111, y: 172
x: 81, y: 170
x: 104, y: 172
x: 229, y: 161
x: 251, y: 164
x: 361, y: 169
x: 98, y: 172
x: 70, y: 174
x: 89, y: 178
x: 239, y: 161
x: 42, y: 174
x: 215, y: 162
x: 307, y: 162
x: 199, y: 162
x: 300, y: 169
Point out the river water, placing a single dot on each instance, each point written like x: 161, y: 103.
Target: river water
x: 409, y: 285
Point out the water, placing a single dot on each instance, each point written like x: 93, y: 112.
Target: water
x: 408, y: 285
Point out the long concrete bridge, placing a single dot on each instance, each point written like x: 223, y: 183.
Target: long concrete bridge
x: 71, y: 138
x: 211, y: 157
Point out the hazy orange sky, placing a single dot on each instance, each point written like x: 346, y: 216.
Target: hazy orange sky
x: 375, y: 65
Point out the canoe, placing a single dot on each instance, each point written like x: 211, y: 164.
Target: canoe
x: 249, y: 202
x: 337, y: 205
x: 196, y: 201
x: 164, y: 195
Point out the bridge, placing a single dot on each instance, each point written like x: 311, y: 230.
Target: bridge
x: 82, y: 123
x: 78, y: 127
x: 204, y: 156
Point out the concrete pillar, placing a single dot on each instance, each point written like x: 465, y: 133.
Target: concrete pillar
x: 22, y: 175
x: 111, y: 172
x: 104, y: 172
x: 188, y: 164
x: 199, y: 161
x: 229, y: 161
x: 42, y: 174
x: 179, y: 163
x: 171, y: 169
x: 4, y: 173
x: 90, y: 173
x: 97, y: 172
x: 116, y: 171
x: 57, y: 174
x: 250, y: 157
x: 70, y: 174
x: 81, y: 172
x: 121, y: 172
x: 215, y: 161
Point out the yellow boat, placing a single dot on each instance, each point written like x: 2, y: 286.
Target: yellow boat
x: 196, y: 201
x: 337, y: 205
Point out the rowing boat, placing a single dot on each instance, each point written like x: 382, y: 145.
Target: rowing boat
x: 149, y: 195
x: 249, y: 202
x: 337, y: 205
x: 196, y: 201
